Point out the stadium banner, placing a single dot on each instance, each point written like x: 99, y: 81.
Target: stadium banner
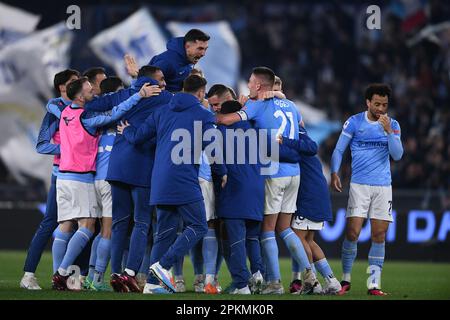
x: 27, y: 68
x: 416, y: 234
x: 15, y: 24
x: 215, y: 67
x: 138, y: 35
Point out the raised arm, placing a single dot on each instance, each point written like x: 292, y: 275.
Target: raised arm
x: 146, y: 131
x: 392, y: 129
x: 304, y: 145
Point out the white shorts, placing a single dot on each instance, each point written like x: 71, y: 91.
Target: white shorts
x: 75, y: 200
x: 208, y: 198
x: 301, y: 223
x: 373, y: 202
x: 104, y: 199
x: 281, y: 195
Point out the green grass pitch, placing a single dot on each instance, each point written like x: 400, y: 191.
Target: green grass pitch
x: 402, y: 280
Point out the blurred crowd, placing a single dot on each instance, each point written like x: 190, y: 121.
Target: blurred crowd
x: 325, y: 55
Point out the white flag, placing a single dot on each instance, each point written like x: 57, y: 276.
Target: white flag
x: 27, y: 68
x: 138, y: 35
x: 221, y: 64
x: 15, y: 24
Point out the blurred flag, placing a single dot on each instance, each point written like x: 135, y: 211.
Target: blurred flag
x: 138, y: 35
x: 437, y: 33
x: 27, y: 68
x: 15, y: 24
x: 222, y: 61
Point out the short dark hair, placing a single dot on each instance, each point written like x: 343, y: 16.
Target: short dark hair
x: 196, y: 34
x: 266, y: 74
x: 110, y: 84
x: 75, y: 87
x: 220, y: 90
x: 62, y: 77
x: 230, y: 107
x: 91, y: 73
x: 193, y: 83
x: 380, y: 89
x: 148, y: 71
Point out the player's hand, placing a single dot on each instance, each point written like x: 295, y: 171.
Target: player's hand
x: 242, y: 99
x: 224, y: 181
x: 121, y: 126
x: 336, y: 182
x: 280, y: 139
x: 385, y: 121
x: 131, y: 65
x: 149, y: 90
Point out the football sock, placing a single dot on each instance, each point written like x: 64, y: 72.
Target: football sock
x: 270, y: 250
x: 210, y: 254
x: 74, y: 247
x: 324, y: 268
x: 93, y: 257
x: 295, y: 247
x: 103, y: 254
x: 349, y: 251
x: 59, y: 247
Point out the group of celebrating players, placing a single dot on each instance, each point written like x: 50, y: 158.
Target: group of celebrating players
x: 119, y: 195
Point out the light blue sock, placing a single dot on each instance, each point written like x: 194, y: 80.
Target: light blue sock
x: 76, y: 244
x: 93, y: 257
x: 295, y: 266
x: 313, y: 268
x: 376, y: 258
x: 324, y: 268
x: 209, y: 252
x: 59, y: 247
x: 103, y: 254
x: 270, y: 249
x: 349, y: 251
x: 296, y: 249
x: 197, y: 257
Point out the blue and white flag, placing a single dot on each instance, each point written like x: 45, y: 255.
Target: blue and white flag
x: 221, y: 64
x: 27, y: 68
x: 138, y: 35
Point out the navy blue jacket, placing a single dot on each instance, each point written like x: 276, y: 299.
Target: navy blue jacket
x: 129, y: 163
x: 174, y: 64
x: 174, y: 183
x: 243, y: 195
x: 313, y: 200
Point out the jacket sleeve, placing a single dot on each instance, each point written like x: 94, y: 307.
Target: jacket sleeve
x: 147, y: 131
x: 107, y: 101
x: 117, y: 112
x: 304, y: 145
x: 48, y: 129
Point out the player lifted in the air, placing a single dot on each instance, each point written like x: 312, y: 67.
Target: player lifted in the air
x: 373, y: 137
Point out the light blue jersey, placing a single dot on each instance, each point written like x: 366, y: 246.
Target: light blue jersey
x: 370, y: 147
x: 105, y: 145
x: 278, y: 114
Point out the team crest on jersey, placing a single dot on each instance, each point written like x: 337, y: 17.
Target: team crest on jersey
x: 67, y: 120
